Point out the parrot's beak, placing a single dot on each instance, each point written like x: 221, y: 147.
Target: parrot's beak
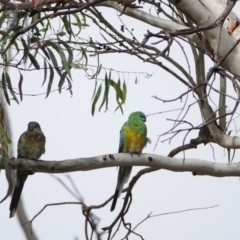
x: 37, y: 129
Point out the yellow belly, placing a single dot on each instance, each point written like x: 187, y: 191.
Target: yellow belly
x: 133, y: 142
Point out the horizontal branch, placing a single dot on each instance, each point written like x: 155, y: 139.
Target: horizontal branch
x: 201, y: 167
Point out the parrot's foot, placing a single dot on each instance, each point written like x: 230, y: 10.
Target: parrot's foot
x: 135, y: 153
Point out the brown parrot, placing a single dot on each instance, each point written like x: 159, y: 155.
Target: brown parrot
x: 31, y: 145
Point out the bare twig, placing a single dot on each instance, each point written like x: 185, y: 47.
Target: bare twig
x: 169, y: 213
x: 48, y: 205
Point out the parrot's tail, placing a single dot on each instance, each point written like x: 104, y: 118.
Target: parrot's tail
x: 123, y: 176
x: 15, y: 199
x: 114, y: 202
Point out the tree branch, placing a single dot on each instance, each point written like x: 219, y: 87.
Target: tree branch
x: 202, y: 167
x: 203, y: 17
x: 151, y: 20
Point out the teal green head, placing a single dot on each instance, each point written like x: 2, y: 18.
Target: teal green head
x: 138, y: 115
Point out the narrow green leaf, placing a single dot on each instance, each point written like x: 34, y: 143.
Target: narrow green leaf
x: 79, y: 24
x: 95, y: 89
x: 54, y: 61
x: 2, y: 19
x: 34, y: 39
x: 4, y: 57
x: 9, y: 83
x: 20, y: 86
x: 69, y: 85
x: 41, y: 22
x: 36, y: 30
x: 99, y: 69
x: 53, y: 45
x: 67, y: 25
x: 45, y: 52
x: 6, y: 140
x: 26, y: 49
x: 49, y: 87
x: 106, y: 92
x: 124, y: 92
x: 62, y: 56
x: 53, y: 58
x: 107, y: 84
x: 16, y: 46
x: 70, y: 26
x: 61, y: 34
x: 45, y: 72
x: 47, y: 27
x: 70, y: 52
x: 4, y: 85
x: 33, y: 61
x: 119, y: 94
x: 4, y: 41
x: 61, y: 82
x: 96, y: 98
x: 84, y: 55
x: 83, y: 20
x: 119, y: 90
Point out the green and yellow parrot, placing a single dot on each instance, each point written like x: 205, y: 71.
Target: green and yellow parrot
x: 133, y: 138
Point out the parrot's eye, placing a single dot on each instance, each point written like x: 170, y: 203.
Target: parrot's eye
x: 143, y: 118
